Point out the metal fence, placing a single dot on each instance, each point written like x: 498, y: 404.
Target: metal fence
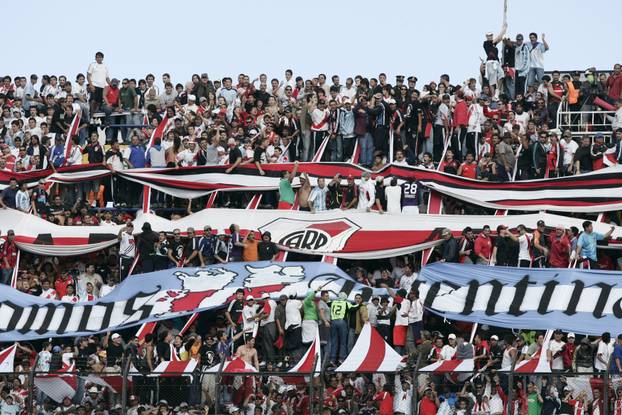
x: 204, y: 389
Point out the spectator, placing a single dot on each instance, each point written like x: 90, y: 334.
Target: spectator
x: 250, y: 252
x: 586, y: 244
x: 483, y: 247
x: 267, y: 250
x: 8, y: 254
x: 9, y: 194
x: 536, y: 58
x: 317, y: 198
x: 287, y: 197
x: 449, y: 247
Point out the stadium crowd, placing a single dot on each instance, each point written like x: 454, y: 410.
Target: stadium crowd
x: 499, y: 125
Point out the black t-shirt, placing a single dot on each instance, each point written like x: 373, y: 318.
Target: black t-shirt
x: 234, y: 154
x: 146, y: 243
x: 349, y: 194
x: 492, y: 53
x: 507, y: 252
x: 509, y: 57
x: 261, y: 95
x: 191, y: 245
x: 334, y: 195
x: 8, y: 197
x: 235, y: 309
x: 380, y: 195
x: 178, y: 249
x: 259, y: 155
x: 162, y: 250
x: 114, y: 354
x: 40, y: 197
x: 209, y: 355
x: 496, y: 352
x: 412, y: 115
x: 389, y: 282
x: 352, y: 312
x: 584, y: 157
x: 266, y: 250
x: 95, y: 153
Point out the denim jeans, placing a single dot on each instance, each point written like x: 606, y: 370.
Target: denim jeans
x: 7, y: 273
x: 367, y: 149
x: 535, y: 74
x: 339, y: 340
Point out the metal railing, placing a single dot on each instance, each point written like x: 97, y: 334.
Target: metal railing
x: 216, y: 390
x: 584, y: 123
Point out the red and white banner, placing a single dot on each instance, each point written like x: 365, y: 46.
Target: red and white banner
x: 7, y: 359
x: 157, y: 133
x: 371, y: 354
x: 449, y: 366
x: 60, y: 385
x: 173, y: 368
x: 538, y: 362
x: 600, y: 190
x: 340, y: 234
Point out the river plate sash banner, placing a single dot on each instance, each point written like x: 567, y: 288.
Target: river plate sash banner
x: 166, y: 294
x: 588, y: 302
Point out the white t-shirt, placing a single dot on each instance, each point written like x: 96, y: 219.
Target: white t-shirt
x: 106, y: 289
x: 394, y: 197
x: 448, y: 352
x: 127, y: 246
x: 523, y: 247
x: 569, y: 149
x: 271, y: 304
x: 604, y: 351
x: 406, y: 282
x: 522, y: 120
x: 248, y: 312
x: 292, y: 313
x: 400, y: 319
x: 554, y: 347
x: 99, y: 74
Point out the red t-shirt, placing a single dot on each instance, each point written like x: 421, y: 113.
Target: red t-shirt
x: 386, y: 403
x: 483, y: 246
x: 559, y: 254
x: 61, y: 286
x: 427, y: 406
x: 614, y: 84
x: 469, y: 170
x: 9, y: 252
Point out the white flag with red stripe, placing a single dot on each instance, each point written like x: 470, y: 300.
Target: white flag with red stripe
x: 7, y: 359
x: 112, y: 382
x: 448, y: 366
x: 60, y: 385
x: 371, y: 354
x: 237, y: 365
x: 73, y: 130
x: 158, y: 132
x: 538, y: 362
x: 173, y: 368
x: 310, y: 362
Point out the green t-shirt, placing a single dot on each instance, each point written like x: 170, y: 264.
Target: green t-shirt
x: 338, y: 309
x: 309, y: 309
x: 533, y: 405
x: 286, y: 192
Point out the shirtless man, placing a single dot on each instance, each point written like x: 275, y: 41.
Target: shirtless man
x: 248, y: 353
x: 304, y: 192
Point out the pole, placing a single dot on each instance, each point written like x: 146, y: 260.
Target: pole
x: 415, y: 382
x: 311, y: 380
x: 606, y: 388
x: 124, y: 374
x: 31, y: 389
x: 218, y: 379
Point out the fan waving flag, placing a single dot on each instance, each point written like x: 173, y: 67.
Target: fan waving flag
x: 7, y: 359
x: 371, y: 354
x: 174, y: 368
x: 60, y: 385
x: 73, y: 130
x: 112, y: 382
x: 157, y: 133
x: 310, y: 362
x: 446, y: 366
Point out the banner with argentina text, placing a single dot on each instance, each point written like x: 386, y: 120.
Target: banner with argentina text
x: 166, y: 294
x: 581, y: 301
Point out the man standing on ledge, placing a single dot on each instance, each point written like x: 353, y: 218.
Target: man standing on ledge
x: 286, y: 193
x: 586, y: 246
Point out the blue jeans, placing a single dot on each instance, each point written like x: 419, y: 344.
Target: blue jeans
x: 7, y: 274
x: 367, y: 149
x: 338, y: 339
x: 535, y: 74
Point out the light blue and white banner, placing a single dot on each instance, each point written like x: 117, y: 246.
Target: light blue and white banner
x: 166, y: 294
x: 581, y: 301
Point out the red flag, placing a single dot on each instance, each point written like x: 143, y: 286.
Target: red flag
x: 73, y: 130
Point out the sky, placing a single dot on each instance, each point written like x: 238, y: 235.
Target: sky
x: 225, y: 38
